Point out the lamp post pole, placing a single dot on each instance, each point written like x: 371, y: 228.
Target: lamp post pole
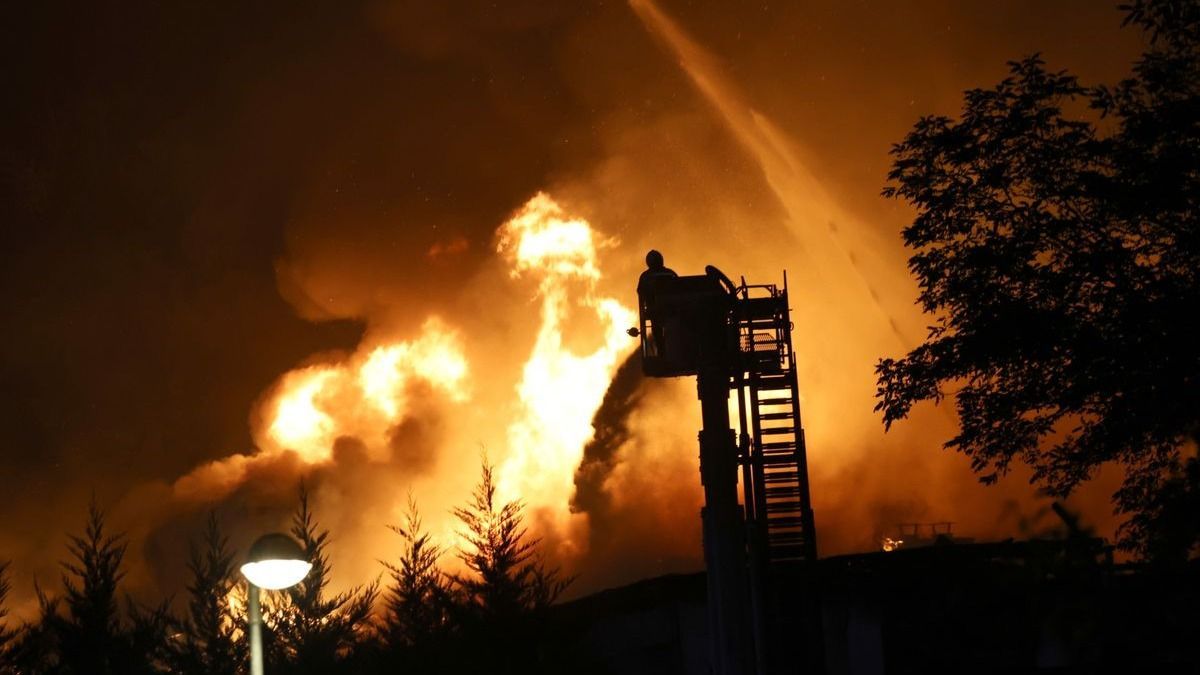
x: 275, y: 562
x: 255, y: 621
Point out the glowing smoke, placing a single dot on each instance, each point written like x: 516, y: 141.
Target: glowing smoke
x: 390, y: 214
x: 344, y: 423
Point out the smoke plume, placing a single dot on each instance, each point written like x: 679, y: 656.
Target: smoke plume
x: 363, y: 242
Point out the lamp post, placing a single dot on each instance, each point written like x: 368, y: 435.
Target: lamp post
x: 275, y: 562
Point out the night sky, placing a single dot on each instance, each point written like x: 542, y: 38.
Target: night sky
x: 198, y: 197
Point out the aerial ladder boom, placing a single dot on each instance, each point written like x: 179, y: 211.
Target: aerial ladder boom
x: 739, y: 338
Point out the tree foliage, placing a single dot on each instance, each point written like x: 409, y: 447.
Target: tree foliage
x: 211, y: 637
x: 314, y: 631
x: 34, y: 650
x: 482, y: 619
x: 90, y: 634
x: 506, y: 578
x: 85, y: 631
x: 1056, y: 245
x: 7, y: 633
x: 417, y: 599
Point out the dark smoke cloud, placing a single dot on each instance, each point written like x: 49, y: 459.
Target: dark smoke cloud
x: 639, y: 486
x: 611, y: 425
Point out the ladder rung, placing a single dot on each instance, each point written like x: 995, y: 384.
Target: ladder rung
x: 777, y: 430
x: 787, y: 547
x: 780, y: 445
x: 780, y: 507
x: 780, y: 470
x: 784, y: 521
x: 775, y: 401
x: 785, y: 415
x: 790, y: 542
x: 772, y: 378
x: 787, y: 551
x: 782, y: 492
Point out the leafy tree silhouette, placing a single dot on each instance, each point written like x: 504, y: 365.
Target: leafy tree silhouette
x: 312, y: 631
x: 1167, y: 521
x: 416, y: 600
x: 1059, y: 255
x: 211, y: 637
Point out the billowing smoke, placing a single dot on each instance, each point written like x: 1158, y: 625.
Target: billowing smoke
x: 411, y: 414
x: 610, y: 432
x: 391, y: 166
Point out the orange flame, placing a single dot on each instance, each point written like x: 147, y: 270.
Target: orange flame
x: 537, y: 443
x: 299, y: 422
x: 560, y: 390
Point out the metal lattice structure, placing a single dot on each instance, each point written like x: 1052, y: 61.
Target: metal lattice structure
x: 772, y: 453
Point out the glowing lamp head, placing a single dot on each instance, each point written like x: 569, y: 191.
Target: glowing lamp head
x: 275, y: 561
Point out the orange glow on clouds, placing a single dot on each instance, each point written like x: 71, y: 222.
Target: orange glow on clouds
x: 366, y: 395
x: 299, y: 422
x: 363, y: 397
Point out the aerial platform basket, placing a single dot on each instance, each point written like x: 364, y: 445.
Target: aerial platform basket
x: 693, y: 322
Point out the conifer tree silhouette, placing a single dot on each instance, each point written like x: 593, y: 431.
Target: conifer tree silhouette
x: 313, y: 631
x: 497, y: 602
x: 90, y: 634
x: 7, y: 633
x: 415, y: 601
x: 211, y: 636
x: 83, y: 632
x: 507, y: 579
x: 34, y: 651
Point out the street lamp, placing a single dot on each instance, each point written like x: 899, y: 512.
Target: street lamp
x: 275, y: 562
